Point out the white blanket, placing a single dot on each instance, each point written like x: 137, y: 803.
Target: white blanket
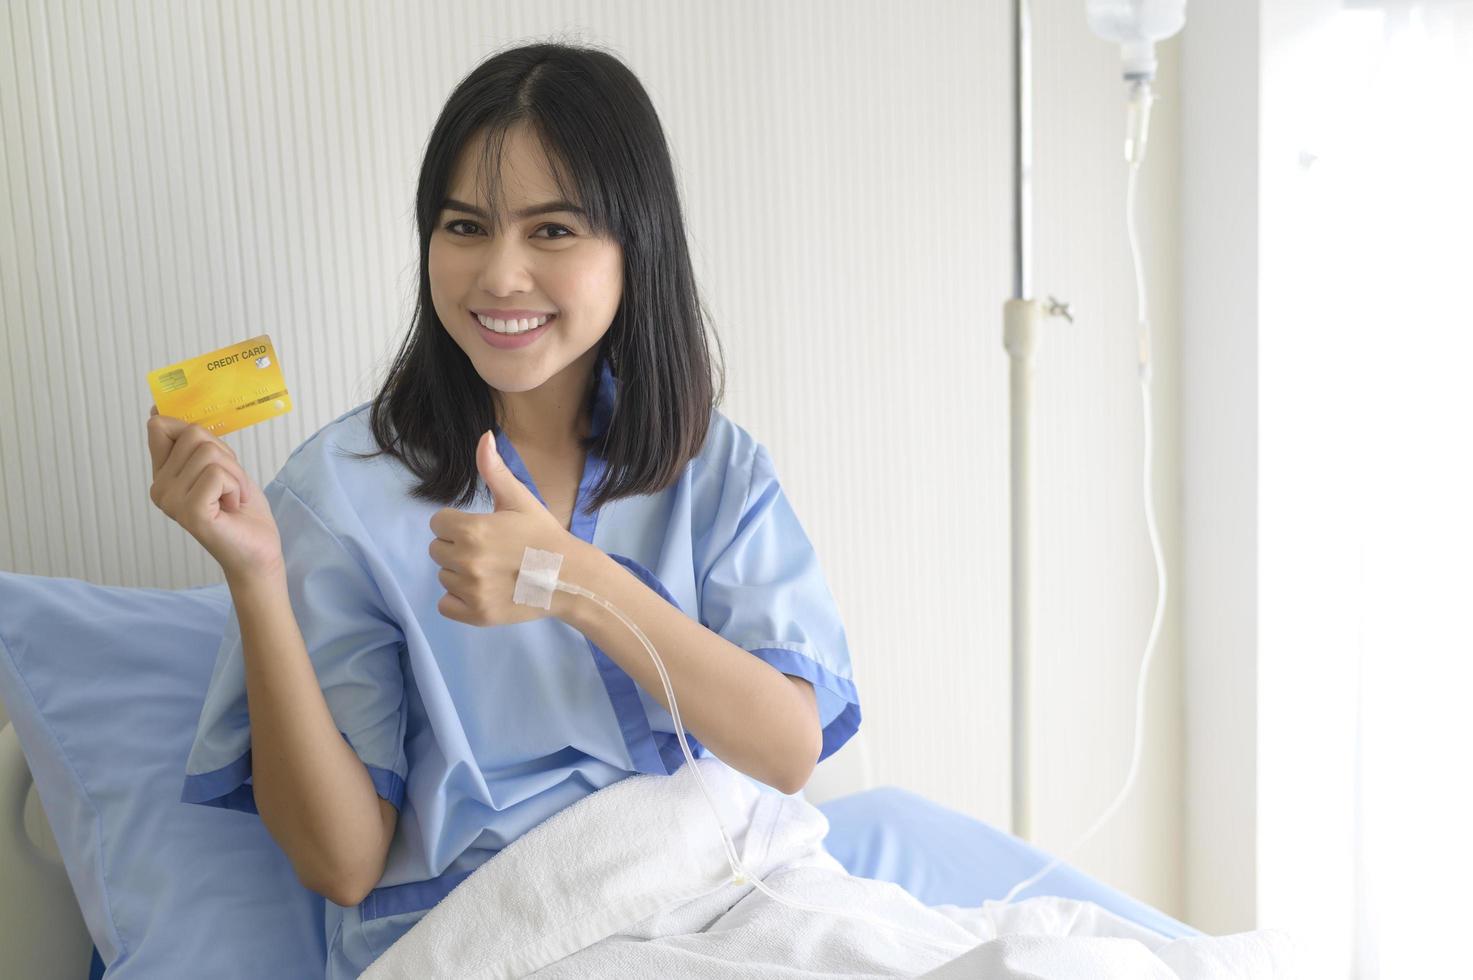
x: 632, y: 881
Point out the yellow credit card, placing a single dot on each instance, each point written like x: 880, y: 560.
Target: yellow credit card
x: 224, y: 390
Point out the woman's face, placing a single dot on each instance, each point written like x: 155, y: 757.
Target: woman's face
x: 548, y: 262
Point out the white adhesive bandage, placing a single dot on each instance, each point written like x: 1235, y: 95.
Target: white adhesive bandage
x: 537, y: 579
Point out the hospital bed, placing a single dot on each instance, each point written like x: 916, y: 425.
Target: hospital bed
x: 888, y: 833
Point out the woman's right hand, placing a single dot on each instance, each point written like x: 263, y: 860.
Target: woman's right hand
x: 200, y: 484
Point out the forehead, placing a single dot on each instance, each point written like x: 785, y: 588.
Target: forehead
x: 524, y: 172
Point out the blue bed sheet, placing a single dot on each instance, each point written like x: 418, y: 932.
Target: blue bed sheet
x: 943, y: 857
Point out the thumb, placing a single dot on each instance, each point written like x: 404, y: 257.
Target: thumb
x: 507, y: 492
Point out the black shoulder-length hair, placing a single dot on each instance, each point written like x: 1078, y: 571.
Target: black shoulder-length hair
x: 600, y: 131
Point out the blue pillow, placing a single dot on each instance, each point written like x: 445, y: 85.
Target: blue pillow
x: 104, y: 686
x: 943, y: 857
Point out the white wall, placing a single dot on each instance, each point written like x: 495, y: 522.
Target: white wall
x: 1220, y: 239
x: 180, y: 177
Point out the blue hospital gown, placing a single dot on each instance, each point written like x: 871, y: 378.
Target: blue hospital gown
x: 478, y: 734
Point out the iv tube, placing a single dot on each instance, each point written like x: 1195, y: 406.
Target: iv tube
x: 1135, y: 151
x: 540, y: 577
x: 544, y: 576
x: 536, y: 579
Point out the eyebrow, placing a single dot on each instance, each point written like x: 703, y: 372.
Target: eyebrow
x: 546, y: 207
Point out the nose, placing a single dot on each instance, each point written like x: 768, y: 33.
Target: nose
x: 507, y: 267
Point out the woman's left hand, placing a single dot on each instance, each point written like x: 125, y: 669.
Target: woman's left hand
x: 480, y: 555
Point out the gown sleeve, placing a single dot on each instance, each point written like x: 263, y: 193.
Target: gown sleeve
x: 766, y: 592
x: 355, y: 648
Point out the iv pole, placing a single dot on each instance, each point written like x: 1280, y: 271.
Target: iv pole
x: 1021, y: 317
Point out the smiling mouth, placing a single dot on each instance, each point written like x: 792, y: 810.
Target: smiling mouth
x: 528, y: 324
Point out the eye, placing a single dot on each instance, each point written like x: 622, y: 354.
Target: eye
x: 450, y: 226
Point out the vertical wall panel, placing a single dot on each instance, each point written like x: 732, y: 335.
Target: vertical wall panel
x: 183, y: 175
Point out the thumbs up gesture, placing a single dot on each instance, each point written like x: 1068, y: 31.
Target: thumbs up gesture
x: 480, y: 555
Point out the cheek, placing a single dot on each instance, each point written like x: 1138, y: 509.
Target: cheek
x: 435, y: 262
x: 448, y: 271
x: 611, y: 276
x: 596, y: 283
x: 441, y: 261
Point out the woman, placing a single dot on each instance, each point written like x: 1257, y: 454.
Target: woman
x: 378, y: 698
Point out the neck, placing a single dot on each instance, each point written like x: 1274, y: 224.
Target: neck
x: 552, y: 417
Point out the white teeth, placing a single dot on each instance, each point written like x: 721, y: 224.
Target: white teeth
x: 511, y: 326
